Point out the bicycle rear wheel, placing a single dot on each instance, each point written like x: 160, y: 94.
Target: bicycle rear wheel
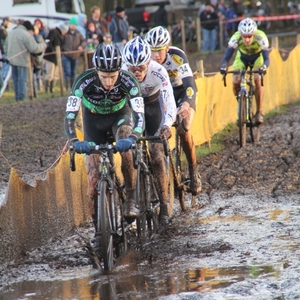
x: 171, y: 190
x: 242, y: 122
x: 254, y: 128
x: 179, y: 165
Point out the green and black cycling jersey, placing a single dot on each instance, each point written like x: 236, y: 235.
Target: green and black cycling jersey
x: 88, y: 92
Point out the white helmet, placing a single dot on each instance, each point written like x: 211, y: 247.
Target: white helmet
x: 247, y: 26
x: 136, y: 52
x: 158, y: 37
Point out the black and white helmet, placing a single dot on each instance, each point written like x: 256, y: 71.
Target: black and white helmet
x: 136, y: 52
x: 247, y: 26
x: 107, y: 58
x: 158, y: 37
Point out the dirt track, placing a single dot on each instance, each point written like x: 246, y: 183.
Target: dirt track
x: 236, y: 182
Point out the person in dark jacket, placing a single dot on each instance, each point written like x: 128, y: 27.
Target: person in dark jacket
x: 209, y: 26
x: 161, y: 16
x: 119, y: 28
x: 3, y: 34
x: 19, y: 45
x: 73, y: 43
x: 55, y: 38
x: 100, y: 23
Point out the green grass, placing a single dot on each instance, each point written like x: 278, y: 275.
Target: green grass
x: 217, y: 141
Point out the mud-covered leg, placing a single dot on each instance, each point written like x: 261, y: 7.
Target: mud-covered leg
x: 161, y: 178
x: 131, y: 210
x: 190, y: 152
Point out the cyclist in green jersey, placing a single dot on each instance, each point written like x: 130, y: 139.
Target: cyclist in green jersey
x: 252, y: 49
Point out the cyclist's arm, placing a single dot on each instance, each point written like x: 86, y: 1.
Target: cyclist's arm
x: 72, y: 109
x: 227, y: 56
x: 168, y: 99
x: 265, y: 54
x: 137, y: 105
x: 188, y: 81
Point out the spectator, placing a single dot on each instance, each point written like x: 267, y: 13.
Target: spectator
x: 18, y: 46
x: 3, y: 34
x: 229, y: 14
x: 100, y: 23
x: 161, y: 16
x: 37, y: 63
x: 72, y: 41
x: 55, y: 38
x: 209, y: 25
x: 91, y: 38
x: 119, y: 28
x: 82, y: 24
x: 43, y: 30
x: 238, y: 8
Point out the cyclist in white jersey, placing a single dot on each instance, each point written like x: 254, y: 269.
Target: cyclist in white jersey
x: 160, y: 110
x: 185, y: 91
x: 252, y: 45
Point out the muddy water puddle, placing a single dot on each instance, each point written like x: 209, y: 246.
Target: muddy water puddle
x: 239, y: 248
x: 141, y: 284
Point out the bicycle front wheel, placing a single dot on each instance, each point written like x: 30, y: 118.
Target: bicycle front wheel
x: 242, y: 122
x: 105, y: 225
x: 141, y: 199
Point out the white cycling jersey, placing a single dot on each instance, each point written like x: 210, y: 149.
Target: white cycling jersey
x: 157, y: 81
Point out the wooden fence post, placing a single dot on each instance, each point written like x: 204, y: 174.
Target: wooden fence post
x: 85, y: 60
x: 183, y: 35
x: 30, y: 82
x: 198, y: 31
x: 170, y: 32
x: 61, y: 73
x: 275, y: 42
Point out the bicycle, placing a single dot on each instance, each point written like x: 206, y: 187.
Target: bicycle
x: 110, y: 226
x: 245, y: 109
x: 146, y: 196
x: 180, y: 170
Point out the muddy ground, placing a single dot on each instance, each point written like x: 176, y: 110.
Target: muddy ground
x: 246, y: 215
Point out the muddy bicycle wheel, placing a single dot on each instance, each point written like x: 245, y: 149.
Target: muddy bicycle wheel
x: 171, y: 190
x: 141, y: 199
x: 254, y: 129
x: 105, y: 212
x: 242, y: 122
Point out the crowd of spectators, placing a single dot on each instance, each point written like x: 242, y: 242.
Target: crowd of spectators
x: 33, y: 46
x: 211, y: 13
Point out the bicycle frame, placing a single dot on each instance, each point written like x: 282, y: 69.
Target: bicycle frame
x: 146, y: 194
x: 181, y: 181
x: 109, y: 227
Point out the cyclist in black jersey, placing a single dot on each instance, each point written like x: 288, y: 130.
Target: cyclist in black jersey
x: 185, y: 91
x: 111, y: 101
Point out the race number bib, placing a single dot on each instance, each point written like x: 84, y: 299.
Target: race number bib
x: 73, y: 103
x: 185, y: 70
x: 137, y: 104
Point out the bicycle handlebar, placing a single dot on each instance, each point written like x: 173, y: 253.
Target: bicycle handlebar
x: 94, y: 149
x: 244, y: 72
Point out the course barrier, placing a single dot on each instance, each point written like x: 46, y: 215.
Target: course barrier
x: 33, y: 215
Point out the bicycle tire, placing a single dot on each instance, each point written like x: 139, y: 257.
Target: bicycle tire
x: 171, y: 191
x: 180, y: 170
x: 242, y: 122
x: 105, y: 212
x: 141, y: 199
x: 153, y: 205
